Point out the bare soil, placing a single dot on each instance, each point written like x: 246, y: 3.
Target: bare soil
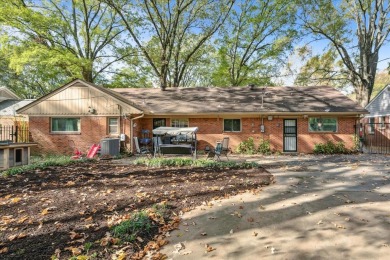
x: 64, y: 211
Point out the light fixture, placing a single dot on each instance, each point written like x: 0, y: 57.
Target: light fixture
x: 305, y: 116
x: 270, y: 118
x: 91, y: 110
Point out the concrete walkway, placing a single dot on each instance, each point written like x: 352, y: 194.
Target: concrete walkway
x: 321, y: 207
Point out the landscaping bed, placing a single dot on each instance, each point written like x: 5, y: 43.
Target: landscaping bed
x: 65, y: 211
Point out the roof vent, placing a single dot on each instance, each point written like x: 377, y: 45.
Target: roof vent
x: 251, y: 86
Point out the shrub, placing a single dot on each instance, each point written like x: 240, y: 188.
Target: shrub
x: 331, y: 148
x: 247, y: 146
x: 264, y: 147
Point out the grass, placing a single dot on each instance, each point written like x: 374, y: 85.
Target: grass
x: 128, y: 230
x: 40, y: 163
x: 181, y: 162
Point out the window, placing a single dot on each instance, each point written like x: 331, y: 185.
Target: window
x: 371, y: 125
x: 382, y: 121
x: 67, y: 125
x: 232, y: 125
x: 113, y: 125
x: 157, y: 122
x: 179, y: 122
x: 322, y: 124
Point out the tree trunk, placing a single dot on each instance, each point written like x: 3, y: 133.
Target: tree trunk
x: 87, y: 74
x: 362, y: 94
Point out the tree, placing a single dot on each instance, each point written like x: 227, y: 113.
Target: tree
x: 253, y: 41
x: 79, y: 37
x: 171, y: 32
x: 357, y: 29
x: 322, y: 69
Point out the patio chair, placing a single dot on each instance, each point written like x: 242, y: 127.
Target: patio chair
x: 221, y: 148
x: 141, y: 150
x: 157, y: 141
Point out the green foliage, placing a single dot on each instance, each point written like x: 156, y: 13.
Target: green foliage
x: 323, y: 69
x: 182, y: 162
x: 248, y: 147
x: 331, y: 148
x: 41, y: 163
x: 264, y: 147
x: 253, y: 42
x: 55, y: 41
x: 129, y: 230
x: 87, y: 247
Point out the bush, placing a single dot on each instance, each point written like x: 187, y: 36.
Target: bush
x: 331, y: 148
x: 264, y: 147
x: 247, y: 146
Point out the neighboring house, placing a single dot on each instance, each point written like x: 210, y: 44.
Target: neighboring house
x: 375, y: 128
x: 8, y: 115
x: 9, y: 103
x: 294, y: 119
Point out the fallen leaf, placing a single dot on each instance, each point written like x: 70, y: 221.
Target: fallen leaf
x: 250, y: 219
x: 12, y: 237
x: 89, y: 219
x: 75, y: 251
x: 209, y: 248
x: 203, y: 234
x: 22, y: 219
x: 15, y: 200
x: 74, y: 235
x: 3, y: 250
x: 22, y: 235
x: 255, y: 234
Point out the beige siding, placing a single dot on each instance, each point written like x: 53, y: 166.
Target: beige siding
x: 78, y: 99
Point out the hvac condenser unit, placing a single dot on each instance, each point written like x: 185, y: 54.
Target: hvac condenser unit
x: 110, y: 146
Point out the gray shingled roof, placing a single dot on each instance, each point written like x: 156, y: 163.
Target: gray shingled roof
x: 9, y: 107
x: 202, y: 100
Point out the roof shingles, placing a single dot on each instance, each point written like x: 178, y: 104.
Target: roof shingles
x: 203, y: 100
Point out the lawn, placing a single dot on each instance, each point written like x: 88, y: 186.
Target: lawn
x: 105, y: 210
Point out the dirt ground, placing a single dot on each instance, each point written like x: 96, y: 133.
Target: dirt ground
x: 60, y: 210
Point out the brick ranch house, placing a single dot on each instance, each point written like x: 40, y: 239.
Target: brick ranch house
x: 294, y: 119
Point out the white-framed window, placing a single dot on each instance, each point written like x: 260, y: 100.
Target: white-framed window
x: 113, y: 125
x: 232, y: 125
x: 65, y: 125
x: 382, y: 121
x: 180, y: 122
x: 318, y: 124
x: 371, y: 125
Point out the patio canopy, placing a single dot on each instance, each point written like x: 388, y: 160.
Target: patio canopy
x: 164, y: 130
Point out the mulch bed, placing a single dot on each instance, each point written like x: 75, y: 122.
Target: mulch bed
x: 59, y: 210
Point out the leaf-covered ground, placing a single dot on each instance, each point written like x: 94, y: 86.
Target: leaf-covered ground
x: 63, y: 211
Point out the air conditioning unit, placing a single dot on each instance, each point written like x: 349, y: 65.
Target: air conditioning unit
x: 110, y: 146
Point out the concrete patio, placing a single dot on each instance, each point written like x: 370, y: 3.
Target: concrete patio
x: 320, y: 207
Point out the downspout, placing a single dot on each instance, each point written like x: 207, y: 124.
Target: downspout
x: 132, y: 130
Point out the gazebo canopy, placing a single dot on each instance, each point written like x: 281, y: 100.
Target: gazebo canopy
x: 164, y: 130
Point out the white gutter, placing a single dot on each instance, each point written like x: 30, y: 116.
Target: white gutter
x: 132, y: 130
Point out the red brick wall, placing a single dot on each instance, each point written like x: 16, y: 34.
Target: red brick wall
x: 93, y: 129
x: 211, y: 131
